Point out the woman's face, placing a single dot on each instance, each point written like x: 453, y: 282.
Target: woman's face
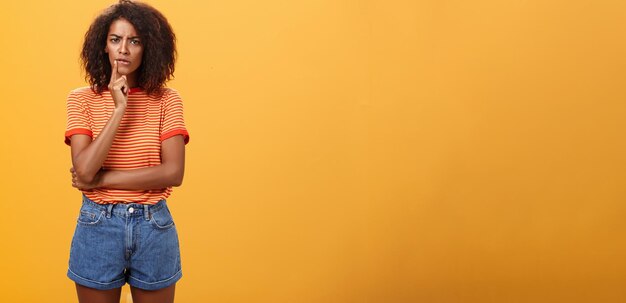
x: 124, y: 46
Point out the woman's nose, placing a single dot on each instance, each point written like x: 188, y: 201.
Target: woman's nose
x: 123, y: 48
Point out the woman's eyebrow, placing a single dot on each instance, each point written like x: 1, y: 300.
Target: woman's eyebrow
x: 116, y: 36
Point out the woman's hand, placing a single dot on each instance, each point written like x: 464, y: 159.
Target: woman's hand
x: 118, y: 86
x: 82, y: 185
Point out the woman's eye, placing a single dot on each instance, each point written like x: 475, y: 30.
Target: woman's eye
x: 135, y: 42
x: 114, y: 40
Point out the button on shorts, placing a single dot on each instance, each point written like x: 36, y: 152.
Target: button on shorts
x: 118, y: 243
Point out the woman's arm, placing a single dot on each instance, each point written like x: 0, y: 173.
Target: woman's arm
x: 87, y: 155
x: 169, y: 173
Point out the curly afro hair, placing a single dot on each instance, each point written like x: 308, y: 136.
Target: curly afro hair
x: 157, y: 37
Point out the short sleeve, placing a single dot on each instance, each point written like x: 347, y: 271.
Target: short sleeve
x: 77, y: 117
x: 172, y: 121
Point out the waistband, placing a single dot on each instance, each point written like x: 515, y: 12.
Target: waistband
x: 126, y: 209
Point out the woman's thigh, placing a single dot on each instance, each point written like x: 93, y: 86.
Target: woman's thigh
x: 92, y: 295
x: 163, y: 295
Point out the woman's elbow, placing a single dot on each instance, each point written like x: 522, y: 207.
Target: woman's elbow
x: 177, y: 177
x: 84, y: 176
x: 177, y: 182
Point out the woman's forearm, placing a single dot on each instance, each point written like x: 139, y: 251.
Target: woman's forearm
x: 88, y: 161
x: 154, y: 177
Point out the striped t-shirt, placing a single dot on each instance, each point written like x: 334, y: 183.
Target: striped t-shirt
x: 147, y: 121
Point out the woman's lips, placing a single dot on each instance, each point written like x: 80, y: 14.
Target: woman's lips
x: 123, y: 62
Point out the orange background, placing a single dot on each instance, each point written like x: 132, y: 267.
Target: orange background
x: 350, y: 151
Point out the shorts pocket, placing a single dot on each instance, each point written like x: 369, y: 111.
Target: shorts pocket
x: 89, y: 216
x: 162, y: 219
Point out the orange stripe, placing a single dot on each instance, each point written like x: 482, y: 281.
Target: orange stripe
x: 75, y: 131
x: 174, y: 133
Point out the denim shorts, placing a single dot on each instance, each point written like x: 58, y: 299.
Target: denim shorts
x: 118, y: 243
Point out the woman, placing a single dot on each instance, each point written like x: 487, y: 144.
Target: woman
x: 127, y: 136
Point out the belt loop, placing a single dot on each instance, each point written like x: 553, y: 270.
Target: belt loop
x: 146, y: 212
x: 109, y: 209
